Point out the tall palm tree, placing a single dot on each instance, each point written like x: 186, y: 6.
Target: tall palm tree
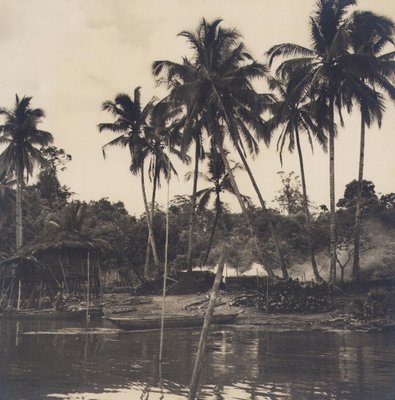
x: 24, y: 142
x: 329, y: 70
x: 219, y: 181
x: 215, y: 85
x: 130, y: 122
x: 295, y: 117
x: 162, y: 131
x: 370, y: 34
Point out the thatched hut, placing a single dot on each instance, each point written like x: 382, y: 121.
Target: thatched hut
x: 69, y: 263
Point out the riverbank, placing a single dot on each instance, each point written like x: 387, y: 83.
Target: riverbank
x: 124, y: 305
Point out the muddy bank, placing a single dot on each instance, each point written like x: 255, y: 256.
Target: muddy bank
x: 125, y: 305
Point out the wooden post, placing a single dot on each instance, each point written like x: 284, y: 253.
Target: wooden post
x: 206, y: 326
x: 267, y: 294
x: 87, y: 287
x: 18, y: 304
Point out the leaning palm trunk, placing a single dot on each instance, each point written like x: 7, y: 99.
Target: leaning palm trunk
x: 150, y: 227
x: 193, y: 208
x: 357, y: 227
x: 19, y: 218
x: 306, y: 211
x: 272, y: 228
x: 332, y: 211
x: 243, y: 206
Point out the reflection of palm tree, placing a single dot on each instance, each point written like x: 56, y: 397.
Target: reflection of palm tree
x: 219, y: 183
x: 20, y: 135
x: 130, y: 122
x: 369, y: 34
x: 296, y: 116
x: 215, y: 87
x: 329, y: 71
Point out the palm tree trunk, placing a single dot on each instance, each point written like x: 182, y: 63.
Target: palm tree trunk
x: 272, y: 228
x: 19, y: 219
x: 306, y: 210
x: 242, y: 205
x: 332, y: 211
x: 150, y: 227
x: 193, y: 207
x: 357, y: 228
x: 217, y: 212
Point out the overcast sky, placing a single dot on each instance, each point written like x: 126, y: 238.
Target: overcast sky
x: 71, y: 55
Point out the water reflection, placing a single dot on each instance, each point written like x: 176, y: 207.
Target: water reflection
x: 240, y: 363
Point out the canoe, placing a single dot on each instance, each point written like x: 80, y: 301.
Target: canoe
x: 44, y: 314
x: 170, y: 321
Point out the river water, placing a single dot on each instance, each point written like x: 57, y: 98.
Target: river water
x: 58, y: 360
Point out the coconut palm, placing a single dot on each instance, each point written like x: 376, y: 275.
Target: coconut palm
x: 24, y: 142
x: 215, y: 85
x: 370, y: 34
x: 219, y: 181
x: 295, y: 117
x: 161, y: 132
x: 329, y: 70
x: 130, y: 122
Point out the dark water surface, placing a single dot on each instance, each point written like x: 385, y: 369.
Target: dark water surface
x: 62, y: 361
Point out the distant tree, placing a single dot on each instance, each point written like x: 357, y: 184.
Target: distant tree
x: 290, y: 197
x: 367, y: 199
x: 48, y: 182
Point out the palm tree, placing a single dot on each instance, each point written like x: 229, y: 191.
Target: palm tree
x: 329, y: 70
x: 215, y: 85
x: 219, y: 182
x: 71, y: 219
x: 296, y: 116
x: 23, y: 148
x: 369, y: 34
x: 161, y: 131
x: 130, y: 122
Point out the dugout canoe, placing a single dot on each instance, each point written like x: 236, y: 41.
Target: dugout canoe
x: 185, y: 321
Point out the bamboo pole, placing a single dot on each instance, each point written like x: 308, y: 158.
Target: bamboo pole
x: 267, y: 294
x: 162, y: 323
x: 206, y: 326
x: 87, y: 287
x: 18, y: 304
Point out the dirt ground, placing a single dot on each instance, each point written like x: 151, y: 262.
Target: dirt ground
x: 125, y: 305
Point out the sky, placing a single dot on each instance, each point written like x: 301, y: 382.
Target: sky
x: 71, y: 55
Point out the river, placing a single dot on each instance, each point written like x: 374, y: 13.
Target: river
x: 59, y: 360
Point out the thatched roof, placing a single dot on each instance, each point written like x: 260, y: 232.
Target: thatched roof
x: 65, y: 242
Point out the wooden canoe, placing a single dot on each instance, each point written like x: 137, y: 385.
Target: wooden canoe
x: 185, y: 321
x: 44, y: 314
